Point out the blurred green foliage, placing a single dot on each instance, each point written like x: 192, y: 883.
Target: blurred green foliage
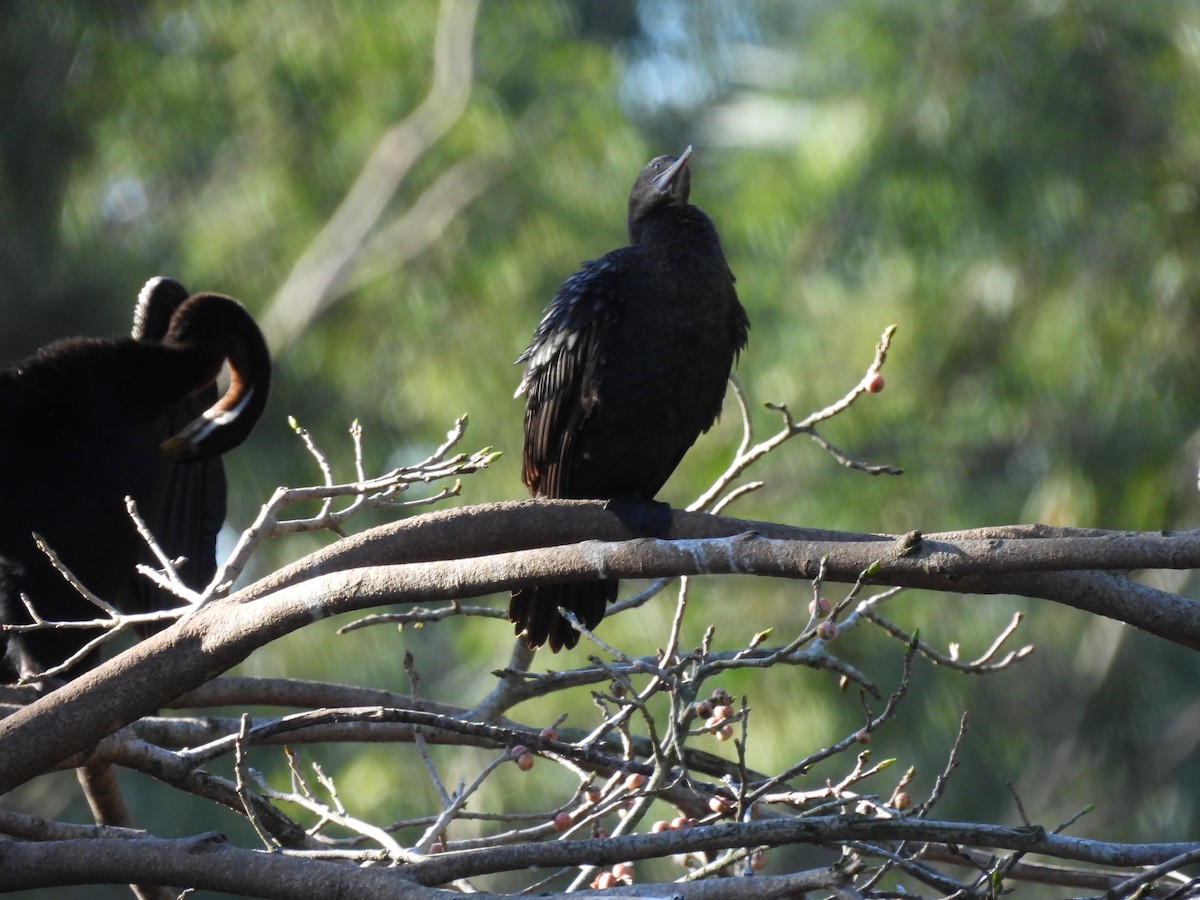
x: 1013, y: 183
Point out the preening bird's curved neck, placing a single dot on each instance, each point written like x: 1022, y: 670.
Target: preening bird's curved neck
x: 219, y: 329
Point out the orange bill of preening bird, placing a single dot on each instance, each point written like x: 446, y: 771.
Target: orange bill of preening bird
x: 184, y: 444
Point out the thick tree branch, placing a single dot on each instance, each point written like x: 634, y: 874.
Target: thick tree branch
x: 209, y: 862
x: 223, y: 633
x: 1063, y: 565
x: 814, y: 830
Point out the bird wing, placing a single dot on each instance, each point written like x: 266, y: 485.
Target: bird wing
x: 563, y: 370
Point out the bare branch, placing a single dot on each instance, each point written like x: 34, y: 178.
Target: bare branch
x: 315, y: 279
x: 749, y: 453
x: 787, y: 830
x: 364, y: 493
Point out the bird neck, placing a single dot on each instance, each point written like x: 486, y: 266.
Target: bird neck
x: 683, y: 227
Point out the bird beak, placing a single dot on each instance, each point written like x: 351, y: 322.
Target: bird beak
x: 668, y: 179
x: 219, y: 327
x: 187, y: 444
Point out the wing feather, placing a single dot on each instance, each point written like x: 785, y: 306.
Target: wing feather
x: 564, y: 366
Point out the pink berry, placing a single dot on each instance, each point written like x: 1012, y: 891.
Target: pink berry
x: 660, y: 826
x: 549, y: 734
x: 623, y: 871
x: 525, y: 762
x: 635, y: 781
x: 827, y: 631
x: 724, y: 733
x: 563, y: 821
x: 874, y: 384
x: 819, y: 607
x: 863, y: 737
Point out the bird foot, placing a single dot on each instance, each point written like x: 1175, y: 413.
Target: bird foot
x: 645, y: 518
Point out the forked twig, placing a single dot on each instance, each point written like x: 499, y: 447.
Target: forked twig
x: 749, y: 453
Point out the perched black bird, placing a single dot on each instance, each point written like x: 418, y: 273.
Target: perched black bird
x: 627, y: 367
x: 80, y: 425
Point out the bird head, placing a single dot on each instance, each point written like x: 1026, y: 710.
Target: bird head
x: 664, y: 181
x: 222, y: 332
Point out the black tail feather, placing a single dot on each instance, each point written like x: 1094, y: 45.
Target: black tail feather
x: 534, y: 611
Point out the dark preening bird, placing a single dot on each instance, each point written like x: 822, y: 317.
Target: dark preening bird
x: 627, y: 367
x: 82, y: 426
